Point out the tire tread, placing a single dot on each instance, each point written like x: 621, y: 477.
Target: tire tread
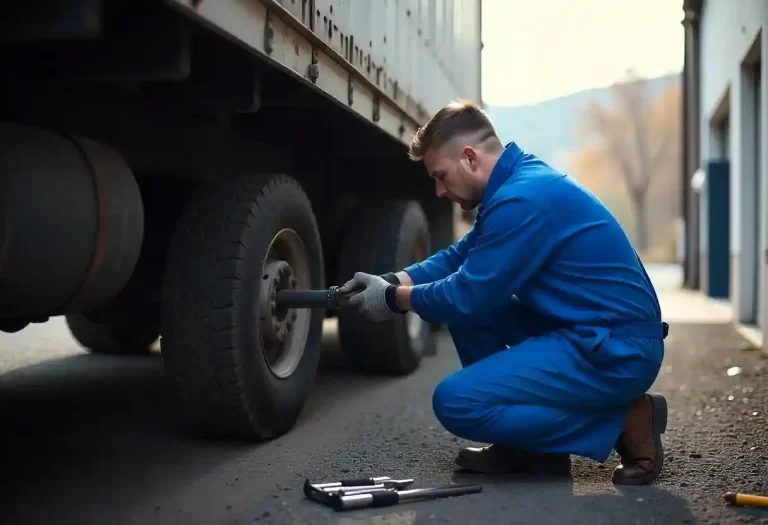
x: 203, y: 333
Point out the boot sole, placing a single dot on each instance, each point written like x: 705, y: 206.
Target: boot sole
x: 547, y: 469
x: 659, y: 421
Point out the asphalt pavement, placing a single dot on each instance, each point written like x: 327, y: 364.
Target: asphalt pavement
x: 92, y: 440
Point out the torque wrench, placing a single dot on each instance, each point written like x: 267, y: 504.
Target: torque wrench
x: 384, y: 484
x: 389, y: 497
x: 357, y: 482
x: 329, y: 299
x: 322, y: 492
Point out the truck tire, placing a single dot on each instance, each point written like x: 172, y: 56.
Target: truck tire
x: 239, y: 368
x: 381, y: 239
x: 116, y: 334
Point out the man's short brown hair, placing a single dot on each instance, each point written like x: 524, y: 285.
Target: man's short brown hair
x: 461, y: 117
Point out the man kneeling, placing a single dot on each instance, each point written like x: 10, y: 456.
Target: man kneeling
x: 557, y: 325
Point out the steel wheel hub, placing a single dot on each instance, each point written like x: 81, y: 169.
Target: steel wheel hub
x: 275, y: 324
x: 284, y: 332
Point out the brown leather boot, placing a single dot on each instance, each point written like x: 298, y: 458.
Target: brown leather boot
x: 498, y: 459
x: 639, y: 446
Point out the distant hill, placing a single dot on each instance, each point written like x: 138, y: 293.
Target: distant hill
x: 547, y: 129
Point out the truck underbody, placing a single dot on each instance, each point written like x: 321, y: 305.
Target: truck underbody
x: 162, y: 178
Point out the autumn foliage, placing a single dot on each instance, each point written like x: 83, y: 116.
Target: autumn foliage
x: 630, y: 158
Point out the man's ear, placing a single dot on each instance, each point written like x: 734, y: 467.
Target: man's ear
x: 469, y: 153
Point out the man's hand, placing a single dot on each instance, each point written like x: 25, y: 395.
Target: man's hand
x: 371, y: 294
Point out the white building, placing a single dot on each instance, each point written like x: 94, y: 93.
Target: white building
x: 725, y: 169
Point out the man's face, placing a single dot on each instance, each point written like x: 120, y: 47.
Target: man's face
x: 457, y: 175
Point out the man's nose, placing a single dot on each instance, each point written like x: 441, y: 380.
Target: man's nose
x: 440, y: 189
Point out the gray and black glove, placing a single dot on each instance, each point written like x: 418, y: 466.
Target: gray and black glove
x: 374, y: 296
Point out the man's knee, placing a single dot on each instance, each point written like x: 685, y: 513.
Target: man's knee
x: 446, y: 402
x: 457, y: 405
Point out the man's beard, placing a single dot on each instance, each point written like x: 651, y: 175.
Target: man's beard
x: 468, y: 205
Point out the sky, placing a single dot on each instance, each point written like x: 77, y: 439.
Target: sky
x: 541, y: 49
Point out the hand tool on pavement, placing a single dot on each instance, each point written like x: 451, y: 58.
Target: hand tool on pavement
x: 321, y: 492
x: 357, y: 482
x: 389, y: 497
x: 384, y: 484
x: 748, y: 500
x: 377, y: 492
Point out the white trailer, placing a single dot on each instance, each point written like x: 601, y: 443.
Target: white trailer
x: 169, y: 165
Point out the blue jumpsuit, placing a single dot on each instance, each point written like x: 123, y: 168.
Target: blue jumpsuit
x: 557, y: 325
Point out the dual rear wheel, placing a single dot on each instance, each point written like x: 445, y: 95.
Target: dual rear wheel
x: 238, y: 365
x: 395, y: 235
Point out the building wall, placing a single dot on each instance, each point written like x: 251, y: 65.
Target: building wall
x: 732, y: 32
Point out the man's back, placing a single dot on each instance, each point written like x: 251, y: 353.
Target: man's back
x: 591, y: 273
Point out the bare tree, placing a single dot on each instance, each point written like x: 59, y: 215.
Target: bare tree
x: 635, y: 134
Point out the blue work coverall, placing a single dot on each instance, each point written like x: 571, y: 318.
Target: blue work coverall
x: 555, y: 320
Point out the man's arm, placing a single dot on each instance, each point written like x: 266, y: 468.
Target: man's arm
x: 404, y: 278
x: 517, y: 239
x: 441, y: 264
x: 403, y: 297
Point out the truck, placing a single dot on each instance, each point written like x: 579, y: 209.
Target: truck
x: 169, y: 166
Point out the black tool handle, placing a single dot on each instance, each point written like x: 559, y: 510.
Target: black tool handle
x: 390, y: 497
x: 328, y: 299
x: 445, y: 491
x: 359, y: 482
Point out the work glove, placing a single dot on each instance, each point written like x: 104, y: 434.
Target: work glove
x: 372, y: 295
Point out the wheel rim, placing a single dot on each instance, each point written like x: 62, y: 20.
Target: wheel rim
x: 414, y: 324
x: 283, y: 333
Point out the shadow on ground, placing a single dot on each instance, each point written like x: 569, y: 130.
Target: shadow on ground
x: 90, y: 439
x: 105, y: 426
